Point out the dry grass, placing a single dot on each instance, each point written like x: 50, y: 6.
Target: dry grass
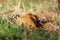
x: 44, y: 9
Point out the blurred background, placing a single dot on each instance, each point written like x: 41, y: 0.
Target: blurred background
x: 33, y: 5
x: 12, y: 31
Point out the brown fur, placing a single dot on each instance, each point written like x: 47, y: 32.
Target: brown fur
x: 33, y: 21
x: 29, y: 20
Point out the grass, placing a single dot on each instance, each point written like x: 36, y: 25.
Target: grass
x: 30, y: 4
x: 9, y: 31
